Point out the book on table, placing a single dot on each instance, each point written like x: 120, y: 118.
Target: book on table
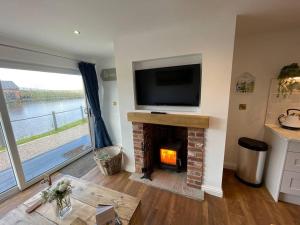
x: 105, y: 215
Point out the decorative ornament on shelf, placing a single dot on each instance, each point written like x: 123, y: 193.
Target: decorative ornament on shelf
x: 245, y: 83
x: 61, y: 194
x: 288, y: 80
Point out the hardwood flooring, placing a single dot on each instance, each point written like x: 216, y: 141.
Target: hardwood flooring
x: 241, y: 205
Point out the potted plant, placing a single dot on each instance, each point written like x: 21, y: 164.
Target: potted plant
x: 286, y: 80
x: 61, y: 194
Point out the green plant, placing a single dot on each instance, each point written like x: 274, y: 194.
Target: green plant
x: 286, y: 80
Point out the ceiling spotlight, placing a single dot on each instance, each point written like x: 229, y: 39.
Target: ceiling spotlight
x: 77, y: 32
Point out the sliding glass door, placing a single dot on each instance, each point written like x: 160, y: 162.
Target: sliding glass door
x: 47, y: 113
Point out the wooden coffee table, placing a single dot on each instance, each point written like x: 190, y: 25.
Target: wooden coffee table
x: 85, y: 197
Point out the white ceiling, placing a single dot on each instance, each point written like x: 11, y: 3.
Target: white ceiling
x: 50, y: 23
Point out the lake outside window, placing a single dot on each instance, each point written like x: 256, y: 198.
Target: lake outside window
x: 47, y: 113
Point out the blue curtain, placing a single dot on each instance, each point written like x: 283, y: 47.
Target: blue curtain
x: 90, y: 81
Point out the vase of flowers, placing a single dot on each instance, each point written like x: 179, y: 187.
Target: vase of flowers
x: 61, y: 195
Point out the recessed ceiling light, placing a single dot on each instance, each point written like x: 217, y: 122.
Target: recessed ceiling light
x: 77, y: 32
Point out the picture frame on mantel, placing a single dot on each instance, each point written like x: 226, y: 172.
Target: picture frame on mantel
x: 245, y: 83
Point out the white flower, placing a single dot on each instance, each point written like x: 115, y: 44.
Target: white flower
x: 67, y: 182
x: 62, y: 187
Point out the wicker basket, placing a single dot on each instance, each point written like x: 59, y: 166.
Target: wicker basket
x: 109, y: 159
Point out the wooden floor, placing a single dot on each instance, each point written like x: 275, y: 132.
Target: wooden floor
x: 241, y: 204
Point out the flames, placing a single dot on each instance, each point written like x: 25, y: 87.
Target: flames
x: 168, y: 156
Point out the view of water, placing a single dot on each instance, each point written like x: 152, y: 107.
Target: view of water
x: 33, y: 126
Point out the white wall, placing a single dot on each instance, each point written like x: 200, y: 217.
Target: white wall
x: 110, y: 111
x: 109, y: 100
x: 262, y: 55
x: 213, y: 37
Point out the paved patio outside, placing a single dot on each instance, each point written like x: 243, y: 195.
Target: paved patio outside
x: 39, y: 146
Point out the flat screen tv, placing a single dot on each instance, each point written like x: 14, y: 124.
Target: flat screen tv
x: 169, y: 86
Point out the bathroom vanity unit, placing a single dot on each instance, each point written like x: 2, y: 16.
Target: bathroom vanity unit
x: 282, y: 176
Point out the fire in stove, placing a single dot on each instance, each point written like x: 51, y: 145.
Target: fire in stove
x: 168, y: 157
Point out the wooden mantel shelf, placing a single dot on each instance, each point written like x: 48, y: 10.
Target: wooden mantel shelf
x: 180, y: 120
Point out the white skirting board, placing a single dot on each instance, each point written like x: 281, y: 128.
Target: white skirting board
x: 211, y: 190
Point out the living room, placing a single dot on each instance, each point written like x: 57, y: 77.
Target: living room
x: 180, y: 99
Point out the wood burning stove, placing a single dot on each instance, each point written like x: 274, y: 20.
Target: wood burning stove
x: 170, y: 156
x: 163, y: 147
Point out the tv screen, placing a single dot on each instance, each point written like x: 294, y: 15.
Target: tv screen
x: 170, y: 86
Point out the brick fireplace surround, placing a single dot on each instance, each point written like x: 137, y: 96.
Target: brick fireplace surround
x: 195, y: 151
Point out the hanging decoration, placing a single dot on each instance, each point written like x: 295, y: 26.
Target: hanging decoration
x: 245, y: 83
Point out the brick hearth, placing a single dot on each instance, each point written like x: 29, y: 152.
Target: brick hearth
x: 195, y: 150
